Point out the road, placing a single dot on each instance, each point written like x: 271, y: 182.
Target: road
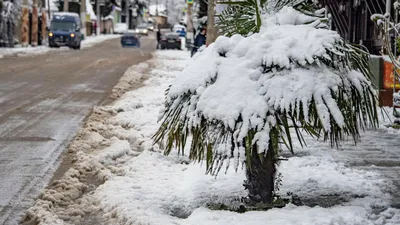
x: 43, y: 102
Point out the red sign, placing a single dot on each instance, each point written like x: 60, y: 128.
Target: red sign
x: 388, y: 76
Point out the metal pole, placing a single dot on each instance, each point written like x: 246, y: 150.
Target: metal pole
x: 156, y: 7
x: 98, y: 17
x: 44, y: 26
x: 66, y: 5
x: 127, y: 13
x: 83, y: 17
x: 48, y: 9
x: 189, y: 33
x: 396, y: 74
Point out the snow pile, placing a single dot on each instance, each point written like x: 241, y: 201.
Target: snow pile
x: 160, y: 190
x: 244, y: 79
x: 160, y: 8
x: 95, y: 154
x: 156, y: 189
x: 29, y: 51
x: 20, y: 51
x: 92, y: 40
x: 140, y: 108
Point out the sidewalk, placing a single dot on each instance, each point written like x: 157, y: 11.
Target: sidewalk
x: 42, y: 49
x: 114, y: 175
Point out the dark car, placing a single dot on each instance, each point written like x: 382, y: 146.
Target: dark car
x: 170, y: 41
x: 130, y: 39
x: 65, y: 31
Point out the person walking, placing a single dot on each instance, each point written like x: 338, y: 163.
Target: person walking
x: 199, y: 41
x: 158, y: 38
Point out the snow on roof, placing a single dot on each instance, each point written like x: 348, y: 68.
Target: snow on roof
x: 178, y: 27
x: 53, y: 6
x: 90, y: 11
x: 160, y: 7
x: 66, y: 14
x: 109, y: 17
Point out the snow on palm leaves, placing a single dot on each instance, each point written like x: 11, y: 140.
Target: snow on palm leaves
x: 242, y: 93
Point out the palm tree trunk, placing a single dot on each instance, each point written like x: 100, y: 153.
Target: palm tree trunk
x: 261, y: 176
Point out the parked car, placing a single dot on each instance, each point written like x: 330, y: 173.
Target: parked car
x: 65, y: 30
x: 130, y: 39
x: 170, y: 41
x: 142, y: 29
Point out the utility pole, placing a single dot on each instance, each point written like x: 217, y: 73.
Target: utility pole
x: 44, y: 22
x: 166, y: 7
x: 35, y: 25
x: 156, y: 7
x: 83, y: 17
x: 66, y: 5
x: 98, y: 18
x: 127, y: 13
x: 189, y: 32
x: 48, y: 9
x: 25, y: 24
x: 211, y: 29
x: 395, y: 72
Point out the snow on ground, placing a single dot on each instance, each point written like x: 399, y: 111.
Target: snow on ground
x: 157, y: 189
x: 20, y: 51
x: 139, y: 185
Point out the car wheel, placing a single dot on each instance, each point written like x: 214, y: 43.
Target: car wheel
x: 79, y: 45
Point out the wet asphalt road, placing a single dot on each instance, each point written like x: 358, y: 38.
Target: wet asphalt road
x: 44, y: 100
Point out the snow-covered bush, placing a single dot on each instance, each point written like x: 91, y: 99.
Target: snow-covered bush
x: 241, y: 96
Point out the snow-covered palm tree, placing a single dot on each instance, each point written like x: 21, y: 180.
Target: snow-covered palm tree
x: 277, y: 70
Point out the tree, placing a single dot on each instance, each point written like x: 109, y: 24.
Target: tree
x: 278, y: 71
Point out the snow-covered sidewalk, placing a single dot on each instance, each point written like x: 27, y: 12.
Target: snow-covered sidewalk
x: 136, y: 184
x: 20, y: 51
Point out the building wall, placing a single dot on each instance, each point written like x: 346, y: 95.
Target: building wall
x: 352, y: 19
x: 106, y: 26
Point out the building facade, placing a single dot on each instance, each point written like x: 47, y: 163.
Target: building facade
x: 352, y: 19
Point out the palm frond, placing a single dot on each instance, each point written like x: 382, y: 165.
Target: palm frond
x: 245, y: 17
x: 216, y: 142
x: 241, y: 17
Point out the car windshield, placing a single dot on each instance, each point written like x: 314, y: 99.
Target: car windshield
x: 129, y: 35
x: 67, y: 26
